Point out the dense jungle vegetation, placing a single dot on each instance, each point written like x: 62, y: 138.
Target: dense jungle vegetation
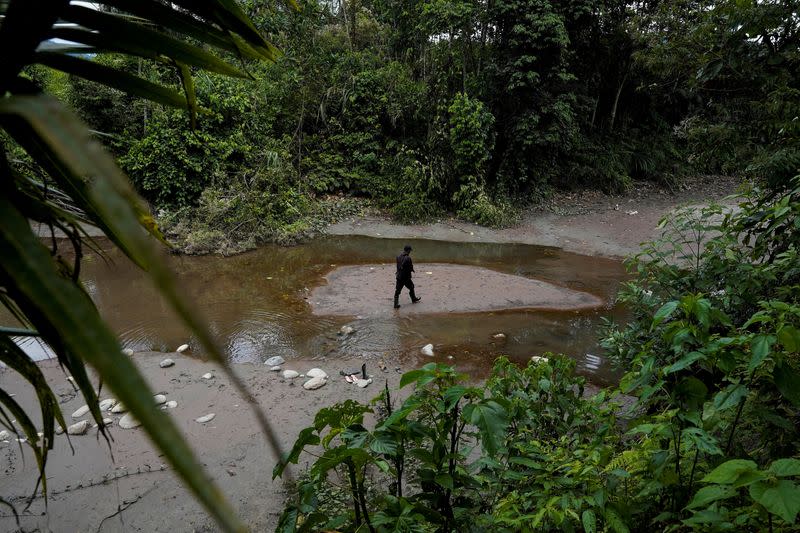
x: 475, y: 108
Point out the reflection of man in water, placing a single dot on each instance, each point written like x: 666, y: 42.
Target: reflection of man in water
x: 404, y: 269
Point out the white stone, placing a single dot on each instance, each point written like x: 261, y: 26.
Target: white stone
x: 317, y: 373
x: 363, y: 382
x: 208, y: 375
x: 108, y: 421
x: 290, y: 374
x: 129, y: 422
x: 160, y: 399
x: 78, y: 428
x: 207, y: 418
x: 172, y: 404
x: 128, y: 352
x: 428, y: 350
x: 346, y: 330
x: 107, y: 404
x: 275, y: 368
x: 182, y: 348
x: 276, y: 360
x: 537, y: 359
x: 499, y: 336
x: 314, y: 383
x: 166, y: 363
x: 5, y: 435
x: 80, y: 411
x: 59, y: 430
x: 119, y: 408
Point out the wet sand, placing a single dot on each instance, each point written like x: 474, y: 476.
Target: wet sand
x: 91, y: 485
x: 366, y: 290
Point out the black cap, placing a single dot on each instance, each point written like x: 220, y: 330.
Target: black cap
x: 407, y: 248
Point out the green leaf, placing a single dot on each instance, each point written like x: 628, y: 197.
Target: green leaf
x: 787, y: 380
x: 453, y: 395
x: 615, y: 521
x: 114, y: 33
x: 663, y: 313
x: 728, y: 472
x: 703, y: 441
x: 445, y: 481
x: 785, y: 468
x: 781, y: 498
x: 411, y: 377
x: 384, y: 443
x: 730, y: 396
x: 589, y: 521
x: 710, y: 494
x: 113, y: 78
x: 684, y: 362
x: 789, y: 337
x: 491, y: 420
x: 760, y: 347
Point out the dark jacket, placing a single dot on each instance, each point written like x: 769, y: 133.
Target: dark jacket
x: 404, y: 266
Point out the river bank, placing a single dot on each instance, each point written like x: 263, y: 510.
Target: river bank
x: 125, y: 486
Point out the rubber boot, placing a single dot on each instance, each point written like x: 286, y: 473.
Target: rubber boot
x: 396, y: 303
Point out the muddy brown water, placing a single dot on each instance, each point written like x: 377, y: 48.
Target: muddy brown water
x: 256, y: 303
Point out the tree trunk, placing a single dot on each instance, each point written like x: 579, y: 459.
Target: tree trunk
x: 616, y: 101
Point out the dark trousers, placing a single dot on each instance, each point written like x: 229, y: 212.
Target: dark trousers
x: 399, y: 287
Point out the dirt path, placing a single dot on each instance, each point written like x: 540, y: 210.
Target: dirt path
x: 587, y: 222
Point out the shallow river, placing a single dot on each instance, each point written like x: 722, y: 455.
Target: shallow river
x: 256, y: 303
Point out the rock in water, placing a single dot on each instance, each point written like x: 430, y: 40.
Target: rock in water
x: 78, y: 428
x: 317, y: 373
x: 363, y: 382
x: 128, y: 352
x: 172, y: 404
x: 314, y: 383
x: 182, y: 348
x: 166, y: 363
x: 207, y: 418
x: 499, y: 336
x: 119, y: 408
x: 208, y: 375
x: 537, y: 359
x: 276, y: 360
x: 128, y: 422
x: 80, y: 411
x: 160, y: 399
x: 107, y: 404
x: 428, y: 350
x: 346, y: 330
x: 290, y: 374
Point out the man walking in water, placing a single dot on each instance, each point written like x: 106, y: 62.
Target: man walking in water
x: 404, y: 269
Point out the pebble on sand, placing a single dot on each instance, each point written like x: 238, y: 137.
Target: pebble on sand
x: 160, y: 399
x: 208, y: 375
x: 317, y: 373
x: 78, y: 428
x: 206, y: 418
x: 108, y: 421
x: 364, y: 382
x: 290, y: 374
x: 172, y: 404
x: 129, y: 422
x: 275, y: 360
x: 166, y: 363
x: 5, y: 435
x: 275, y: 368
x: 128, y: 352
x: 428, y: 350
x: 346, y: 330
x: 107, y: 404
x: 182, y: 348
x: 314, y: 383
x: 80, y: 411
x: 119, y: 408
